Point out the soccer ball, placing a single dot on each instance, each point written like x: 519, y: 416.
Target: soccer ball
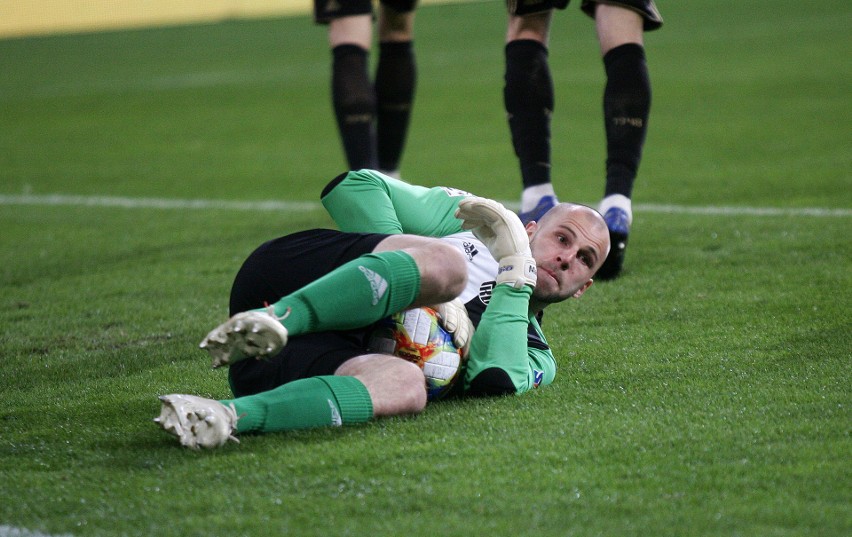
x: 416, y: 336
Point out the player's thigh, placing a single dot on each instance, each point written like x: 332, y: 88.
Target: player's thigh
x: 616, y: 26
x: 396, y: 386
x: 646, y: 9
x: 535, y: 27
x: 351, y: 30
x: 443, y: 268
x: 395, y: 26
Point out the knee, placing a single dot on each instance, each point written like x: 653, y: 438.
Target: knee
x: 396, y: 386
x: 413, y: 393
x: 445, y: 272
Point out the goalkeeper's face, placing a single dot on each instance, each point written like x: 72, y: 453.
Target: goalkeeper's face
x: 569, y: 244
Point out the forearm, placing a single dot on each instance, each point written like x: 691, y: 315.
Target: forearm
x: 500, y: 360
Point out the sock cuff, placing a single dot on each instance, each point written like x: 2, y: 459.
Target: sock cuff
x: 628, y: 49
x: 348, y: 48
x: 396, y: 48
x: 525, y: 44
x: 353, y: 399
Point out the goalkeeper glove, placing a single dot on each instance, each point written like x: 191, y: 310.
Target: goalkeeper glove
x: 505, y: 237
x: 454, y: 319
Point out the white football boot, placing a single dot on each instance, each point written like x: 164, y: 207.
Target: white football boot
x: 196, y: 421
x: 250, y: 334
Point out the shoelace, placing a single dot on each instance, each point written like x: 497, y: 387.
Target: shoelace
x: 271, y: 312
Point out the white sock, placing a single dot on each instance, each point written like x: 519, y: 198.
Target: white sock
x: 533, y: 194
x: 617, y: 200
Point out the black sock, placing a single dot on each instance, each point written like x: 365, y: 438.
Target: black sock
x: 528, y: 98
x: 354, y: 105
x: 396, y: 79
x: 627, y: 103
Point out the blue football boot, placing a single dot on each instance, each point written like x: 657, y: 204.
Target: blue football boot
x: 544, y: 204
x: 618, y: 222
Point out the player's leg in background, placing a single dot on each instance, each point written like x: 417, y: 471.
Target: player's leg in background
x: 352, y: 93
x: 395, y: 82
x: 528, y: 99
x: 626, y: 106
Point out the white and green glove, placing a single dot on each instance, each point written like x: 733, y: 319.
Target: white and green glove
x: 454, y: 319
x: 505, y: 237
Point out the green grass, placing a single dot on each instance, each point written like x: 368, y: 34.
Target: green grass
x: 704, y: 393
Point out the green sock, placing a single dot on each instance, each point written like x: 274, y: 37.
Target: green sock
x: 353, y: 295
x: 303, y: 404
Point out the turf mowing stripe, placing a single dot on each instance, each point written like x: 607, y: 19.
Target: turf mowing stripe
x: 280, y: 205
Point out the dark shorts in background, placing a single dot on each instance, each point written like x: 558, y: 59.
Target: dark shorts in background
x: 327, y: 10
x: 646, y: 8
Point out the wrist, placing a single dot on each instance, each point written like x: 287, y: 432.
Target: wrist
x: 517, y: 271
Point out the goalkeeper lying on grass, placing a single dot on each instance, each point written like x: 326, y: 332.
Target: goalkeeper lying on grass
x: 303, y: 307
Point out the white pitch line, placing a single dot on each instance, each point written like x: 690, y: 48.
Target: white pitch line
x: 305, y: 206
x: 744, y: 211
x: 155, y: 203
x: 12, y: 531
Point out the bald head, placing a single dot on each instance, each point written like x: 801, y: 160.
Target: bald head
x: 590, y: 223
x: 569, y: 243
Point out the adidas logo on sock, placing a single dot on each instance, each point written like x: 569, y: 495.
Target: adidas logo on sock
x: 378, y: 284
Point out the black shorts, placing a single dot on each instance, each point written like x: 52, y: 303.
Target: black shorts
x: 646, y: 8
x: 327, y: 10
x: 277, y: 268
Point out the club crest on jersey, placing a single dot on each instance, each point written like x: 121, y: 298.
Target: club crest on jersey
x: 538, y: 376
x: 469, y: 250
x: 485, y: 291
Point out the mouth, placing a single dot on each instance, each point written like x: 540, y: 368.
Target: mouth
x: 549, y: 273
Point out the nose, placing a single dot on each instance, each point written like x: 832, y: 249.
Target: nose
x: 563, y: 258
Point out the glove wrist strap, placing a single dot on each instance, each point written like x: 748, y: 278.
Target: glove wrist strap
x: 517, y: 271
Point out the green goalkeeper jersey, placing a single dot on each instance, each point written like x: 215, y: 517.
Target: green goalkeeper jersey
x: 508, y: 351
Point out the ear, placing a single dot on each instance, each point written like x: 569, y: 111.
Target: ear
x: 531, y: 228
x: 582, y: 290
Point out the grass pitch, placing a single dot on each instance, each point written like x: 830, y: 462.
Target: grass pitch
x: 706, y: 392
